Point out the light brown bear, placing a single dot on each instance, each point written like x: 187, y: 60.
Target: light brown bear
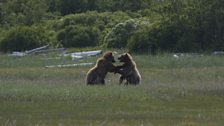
x: 128, y: 70
x: 97, y: 74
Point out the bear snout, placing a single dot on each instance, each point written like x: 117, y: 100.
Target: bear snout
x: 120, y: 59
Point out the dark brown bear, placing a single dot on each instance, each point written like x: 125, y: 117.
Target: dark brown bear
x: 97, y: 74
x: 128, y: 70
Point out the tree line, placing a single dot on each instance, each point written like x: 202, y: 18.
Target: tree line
x: 29, y: 11
x: 140, y: 26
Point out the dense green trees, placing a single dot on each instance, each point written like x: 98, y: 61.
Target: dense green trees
x: 141, y: 26
x: 195, y: 25
x: 186, y: 26
x: 23, y: 38
x: 27, y: 12
x: 118, y: 36
x: 78, y: 36
x: 86, y: 29
x: 74, y: 6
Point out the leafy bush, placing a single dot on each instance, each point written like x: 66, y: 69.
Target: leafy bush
x: 77, y: 6
x: 91, y: 27
x: 93, y: 18
x: 23, y: 38
x: 175, y: 36
x: 144, y: 39
x: 192, y: 26
x: 118, y: 36
x: 26, y: 12
x: 181, y: 26
x: 163, y: 36
x: 78, y: 36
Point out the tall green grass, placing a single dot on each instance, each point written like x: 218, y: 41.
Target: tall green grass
x: 182, y: 92
x: 169, y: 61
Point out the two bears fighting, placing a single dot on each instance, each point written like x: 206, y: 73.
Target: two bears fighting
x: 104, y: 64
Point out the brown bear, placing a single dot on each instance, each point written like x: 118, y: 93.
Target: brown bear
x: 97, y: 74
x: 128, y: 70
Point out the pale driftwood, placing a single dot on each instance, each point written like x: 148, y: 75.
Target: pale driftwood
x: 88, y: 53
x: 218, y: 53
x: 80, y: 55
x: 36, y: 49
x: 69, y: 65
x: 52, y: 58
x: 49, y: 50
x: 179, y: 55
x: 18, y: 54
x: 43, y: 49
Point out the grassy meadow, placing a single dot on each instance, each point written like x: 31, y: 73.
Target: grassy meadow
x: 185, y: 91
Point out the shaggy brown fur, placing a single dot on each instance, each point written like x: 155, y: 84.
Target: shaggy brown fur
x: 128, y: 70
x: 97, y: 74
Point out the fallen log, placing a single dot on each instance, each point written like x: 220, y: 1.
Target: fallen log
x: 36, y: 49
x: 218, y: 53
x: 69, y: 65
x: 18, y: 54
x: 80, y: 55
x: 43, y: 49
x: 49, y: 50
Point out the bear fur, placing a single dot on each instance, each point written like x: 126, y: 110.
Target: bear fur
x: 97, y: 74
x: 128, y: 70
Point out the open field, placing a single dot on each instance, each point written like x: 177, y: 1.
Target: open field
x: 188, y: 91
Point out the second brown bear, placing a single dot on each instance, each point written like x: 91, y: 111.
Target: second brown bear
x: 97, y: 74
x: 128, y: 70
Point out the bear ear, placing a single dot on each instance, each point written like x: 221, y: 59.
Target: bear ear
x: 126, y: 54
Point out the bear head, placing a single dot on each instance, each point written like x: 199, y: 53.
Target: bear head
x: 125, y: 58
x: 109, y: 56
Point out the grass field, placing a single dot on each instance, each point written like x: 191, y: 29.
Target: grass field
x: 188, y: 91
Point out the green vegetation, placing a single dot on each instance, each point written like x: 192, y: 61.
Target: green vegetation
x: 22, y: 38
x: 139, y: 26
x: 175, y: 91
x: 184, y: 91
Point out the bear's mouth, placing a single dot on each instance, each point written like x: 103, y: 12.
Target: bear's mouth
x: 119, y: 58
